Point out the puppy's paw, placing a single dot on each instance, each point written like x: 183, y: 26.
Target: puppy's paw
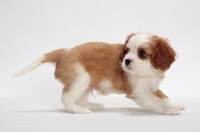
x: 172, y: 110
x: 95, y: 106
x: 179, y: 106
x: 81, y: 110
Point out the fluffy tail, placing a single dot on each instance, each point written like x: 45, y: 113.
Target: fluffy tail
x: 49, y: 57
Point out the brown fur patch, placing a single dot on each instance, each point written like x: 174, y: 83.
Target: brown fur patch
x: 125, y: 48
x: 65, y: 63
x: 54, y: 56
x: 163, y: 55
x: 160, y: 94
x: 126, y: 41
x: 128, y: 37
x: 130, y: 97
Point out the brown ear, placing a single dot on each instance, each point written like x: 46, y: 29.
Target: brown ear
x: 163, y: 56
x: 125, y: 48
x: 128, y: 37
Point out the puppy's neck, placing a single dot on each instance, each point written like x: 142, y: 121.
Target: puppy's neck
x: 151, y: 75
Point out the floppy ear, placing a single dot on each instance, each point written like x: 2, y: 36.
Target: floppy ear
x: 124, y: 47
x: 126, y: 41
x: 163, y: 56
x: 128, y: 37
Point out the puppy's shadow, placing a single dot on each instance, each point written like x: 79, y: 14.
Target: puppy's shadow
x: 41, y: 111
x: 125, y: 111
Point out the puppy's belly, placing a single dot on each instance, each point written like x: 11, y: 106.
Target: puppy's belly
x: 105, y: 87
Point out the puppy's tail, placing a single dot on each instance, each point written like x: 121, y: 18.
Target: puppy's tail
x: 51, y: 57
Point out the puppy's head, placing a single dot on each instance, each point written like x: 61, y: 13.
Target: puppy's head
x: 146, y: 53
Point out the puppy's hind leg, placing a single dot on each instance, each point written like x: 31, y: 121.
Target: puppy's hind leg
x: 75, y: 92
x: 83, y: 101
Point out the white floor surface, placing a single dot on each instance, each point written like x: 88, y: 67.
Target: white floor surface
x: 121, y: 115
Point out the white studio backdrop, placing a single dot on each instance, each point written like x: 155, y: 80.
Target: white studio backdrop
x: 30, y: 28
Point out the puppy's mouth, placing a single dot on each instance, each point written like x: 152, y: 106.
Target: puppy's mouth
x: 128, y: 67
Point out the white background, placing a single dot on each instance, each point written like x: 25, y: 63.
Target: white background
x: 30, y: 28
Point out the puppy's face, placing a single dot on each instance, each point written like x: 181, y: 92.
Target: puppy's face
x: 146, y: 54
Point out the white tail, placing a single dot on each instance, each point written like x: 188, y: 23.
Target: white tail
x: 30, y: 67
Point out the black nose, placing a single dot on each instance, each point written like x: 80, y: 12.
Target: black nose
x: 127, y: 61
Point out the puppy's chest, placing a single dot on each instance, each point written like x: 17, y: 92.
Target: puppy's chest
x: 144, y: 84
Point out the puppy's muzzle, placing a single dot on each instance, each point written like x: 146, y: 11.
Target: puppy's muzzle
x: 127, y: 62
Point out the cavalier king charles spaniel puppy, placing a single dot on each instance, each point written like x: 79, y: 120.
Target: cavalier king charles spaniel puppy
x: 135, y: 68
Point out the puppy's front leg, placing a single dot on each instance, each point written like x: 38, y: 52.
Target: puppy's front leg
x: 157, y: 102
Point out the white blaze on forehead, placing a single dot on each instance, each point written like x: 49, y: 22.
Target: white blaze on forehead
x: 139, y: 39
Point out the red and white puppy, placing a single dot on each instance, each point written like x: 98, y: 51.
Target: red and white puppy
x: 134, y: 68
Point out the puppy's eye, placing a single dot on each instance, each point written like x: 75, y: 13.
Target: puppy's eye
x: 126, y: 51
x: 142, y: 54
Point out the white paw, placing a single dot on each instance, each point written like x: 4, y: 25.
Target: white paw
x: 95, y: 106
x: 172, y: 110
x: 76, y: 109
x: 81, y: 110
x: 179, y: 106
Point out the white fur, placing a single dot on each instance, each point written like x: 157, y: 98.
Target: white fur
x: 78, y: 88
x: 139, y: 39
x: 75, y: 100
x: 143, y: 93
x: 30, y: 67
x: 83, y: 101
x: 106, y: 87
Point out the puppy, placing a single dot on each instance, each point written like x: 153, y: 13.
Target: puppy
x: 134, y: 68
